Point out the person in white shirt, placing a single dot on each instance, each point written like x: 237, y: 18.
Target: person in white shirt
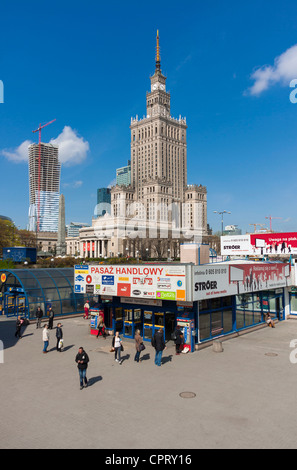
x: 117, y: 345
x: 45, y: 337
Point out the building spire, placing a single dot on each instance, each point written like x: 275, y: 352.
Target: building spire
x: 158, y: 58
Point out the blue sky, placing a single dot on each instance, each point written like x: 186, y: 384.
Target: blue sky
x: 87, y: 65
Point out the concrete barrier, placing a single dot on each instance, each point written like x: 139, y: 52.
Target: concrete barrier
x: 217, y: 346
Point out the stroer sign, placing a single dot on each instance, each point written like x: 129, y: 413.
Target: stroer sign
x: 232, y: 279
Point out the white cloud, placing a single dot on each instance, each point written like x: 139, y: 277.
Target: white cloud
x: 72, y: 149
x: 112, y: 183
x: 283, y: 71
x: 19, y: 155
x: 74, y: 184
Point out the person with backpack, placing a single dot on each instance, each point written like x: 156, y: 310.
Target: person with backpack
x: 178, y: 340
x: 159, y: 344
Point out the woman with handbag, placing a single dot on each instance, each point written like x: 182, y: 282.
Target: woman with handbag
x: 138, y: 345
x: 118, y: 347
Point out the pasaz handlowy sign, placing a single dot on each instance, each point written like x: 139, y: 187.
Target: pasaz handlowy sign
x: 154, y: 282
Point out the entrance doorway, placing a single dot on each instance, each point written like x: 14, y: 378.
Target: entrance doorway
x: 132, y: 321
x: 14, y: 305
x: 169, y: 325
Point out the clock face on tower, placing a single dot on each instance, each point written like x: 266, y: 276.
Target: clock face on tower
x: 157, y: 86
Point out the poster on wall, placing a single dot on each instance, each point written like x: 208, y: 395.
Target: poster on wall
x: 259, y: 244
x: 144, y: 281
x: 234, y: 279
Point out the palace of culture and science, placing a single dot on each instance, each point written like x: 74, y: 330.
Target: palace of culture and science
x: 158, y: 210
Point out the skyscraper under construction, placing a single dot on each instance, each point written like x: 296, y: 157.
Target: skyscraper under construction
x: 44, y: 187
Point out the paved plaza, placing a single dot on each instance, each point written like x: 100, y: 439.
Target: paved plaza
x: 245, y: 396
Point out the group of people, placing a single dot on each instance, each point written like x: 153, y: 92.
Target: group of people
x: 45, y: 332
x: 46, y: 338
x: 157, y: 342
x: 82, y: 358
x: 39, y: 315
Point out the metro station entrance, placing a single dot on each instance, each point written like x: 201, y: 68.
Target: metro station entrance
x: 14, y: 304
x: 148, y: 320
x: 128, y: 318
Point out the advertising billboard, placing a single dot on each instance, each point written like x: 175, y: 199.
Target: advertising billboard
x: 259, y: 244
x: 143, y: 281
x: 232, y: 279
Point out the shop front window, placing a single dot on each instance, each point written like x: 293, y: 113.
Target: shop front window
x: 137, y: 315
x: 108, y: 317
x: 159, y: 319
x: 227, y: 320
x: 293, y: 303
x: 216, y: 323
x: 118, y: 312
x: 128, y: 329
x: 128, y: 315
x: 148, y: 317
x: 204, y: 326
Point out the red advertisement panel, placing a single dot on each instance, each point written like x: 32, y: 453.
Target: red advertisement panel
x: 124, y: 290
x: 274, y: 243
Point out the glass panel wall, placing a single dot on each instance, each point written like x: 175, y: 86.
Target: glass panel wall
x: 215, y: 317
x: 293, y: 303
x: 45, y: 286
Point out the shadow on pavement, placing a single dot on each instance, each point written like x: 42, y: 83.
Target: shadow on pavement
x: 7, y: 332
x: 94, y: 380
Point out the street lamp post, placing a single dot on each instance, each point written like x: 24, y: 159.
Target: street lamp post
x: 222, y: 214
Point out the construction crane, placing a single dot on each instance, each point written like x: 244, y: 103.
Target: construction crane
x: 255, y: 226
x: 270, y: 218
x: 39, y: 169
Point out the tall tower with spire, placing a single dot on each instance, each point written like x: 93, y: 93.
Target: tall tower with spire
x: 158, y: 204
x: 159, y: 141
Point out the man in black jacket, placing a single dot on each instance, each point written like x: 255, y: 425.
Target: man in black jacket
x: 178, y: 340
x: 39, y: 315
x: 82, y: 360
x: 59, y: 336
x: 159, y: 344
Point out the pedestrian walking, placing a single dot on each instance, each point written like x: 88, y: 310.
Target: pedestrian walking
x: 38, y: 315
x: 101, y: 327
x: 46, y: 338
x: 59, y: 336
x: 82, y: 360
x: 139, y: 346
x: 118, y: 347
x: 178, y: 335
x: 51, y: 315
x: 159, y: 344
x: 18, y: 326
x: 86, y: 308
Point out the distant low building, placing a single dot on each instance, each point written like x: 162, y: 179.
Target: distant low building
x: 124, y: 175
x: 103, y: 201
x: 72, y: 229
x: 232, y: 230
